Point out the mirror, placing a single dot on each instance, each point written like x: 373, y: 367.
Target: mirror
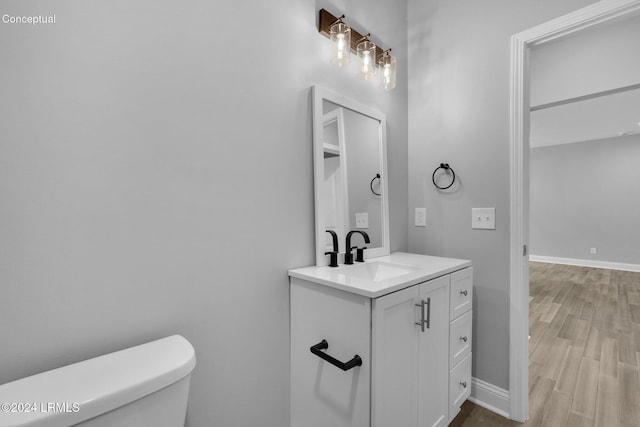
x: 350, y: 170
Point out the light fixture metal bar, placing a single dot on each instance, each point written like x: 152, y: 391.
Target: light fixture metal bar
x: 327, y: 20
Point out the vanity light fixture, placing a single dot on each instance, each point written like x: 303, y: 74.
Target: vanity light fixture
x: 346, y: 40
x: 340, y: 34
x: 387, y: 65
x: 366, y: 50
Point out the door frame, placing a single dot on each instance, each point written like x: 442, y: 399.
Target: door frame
x: 521, y: 44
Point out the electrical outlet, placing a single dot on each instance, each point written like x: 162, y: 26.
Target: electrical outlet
x: 594, y: 251
x: 362, y: 220
x: 420, y: 217
x: 483, y: 218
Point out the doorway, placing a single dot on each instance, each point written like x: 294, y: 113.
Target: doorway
x: 601, y: 12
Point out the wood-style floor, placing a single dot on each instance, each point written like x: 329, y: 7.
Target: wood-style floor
x: 584, y: 350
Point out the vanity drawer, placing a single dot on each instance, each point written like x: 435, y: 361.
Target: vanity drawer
x: 461, y: 292
x: 460, y: 338
x: 459, y: 385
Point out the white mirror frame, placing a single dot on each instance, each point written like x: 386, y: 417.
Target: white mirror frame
x: 318, y: 94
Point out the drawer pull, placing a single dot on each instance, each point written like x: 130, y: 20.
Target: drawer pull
x: 463, y: 384
x: 463, y: 339
x: 464, y: 293
x: 345, y: 366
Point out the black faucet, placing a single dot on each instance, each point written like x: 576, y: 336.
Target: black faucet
x: 348, y: 256
x: 333, y: 260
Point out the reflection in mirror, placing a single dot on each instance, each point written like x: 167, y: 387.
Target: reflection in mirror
x: 351, y: 135
x: 335, y: 188
x: 350, y: 172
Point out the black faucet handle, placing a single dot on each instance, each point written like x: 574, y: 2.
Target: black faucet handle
x: 333, y: 258
x: 359, y: 253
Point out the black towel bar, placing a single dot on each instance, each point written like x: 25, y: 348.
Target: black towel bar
x: 345, y: 366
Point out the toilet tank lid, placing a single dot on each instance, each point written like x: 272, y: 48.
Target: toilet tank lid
x: 87, y: 389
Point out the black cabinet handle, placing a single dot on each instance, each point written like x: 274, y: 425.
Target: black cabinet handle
x: 345, y: 366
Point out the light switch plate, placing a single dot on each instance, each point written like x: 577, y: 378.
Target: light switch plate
x: 483, y: 218
x: 420, y: 217
x: 362, y: 220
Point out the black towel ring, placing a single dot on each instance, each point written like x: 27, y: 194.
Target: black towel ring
x: 371, y: 184
x: 446, y: 168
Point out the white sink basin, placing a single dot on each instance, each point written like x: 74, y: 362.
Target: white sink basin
x: 377, y: 271
x: 382, y: 275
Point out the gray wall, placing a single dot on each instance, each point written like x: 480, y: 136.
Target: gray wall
x: 586, y: 195
x: 459, y: 113
x: 156, y: 178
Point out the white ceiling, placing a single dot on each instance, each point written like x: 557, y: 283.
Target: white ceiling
x: 596, y: 118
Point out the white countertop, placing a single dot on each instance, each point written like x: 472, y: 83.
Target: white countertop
x: 419, y: 269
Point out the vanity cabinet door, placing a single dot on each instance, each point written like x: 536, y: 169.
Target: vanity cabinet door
x: 433, y: 367
x: 395, y: 341
x: 322, y: 394
x: 411, y: 356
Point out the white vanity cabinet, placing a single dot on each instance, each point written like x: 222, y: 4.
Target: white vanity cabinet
x: 413, y: 364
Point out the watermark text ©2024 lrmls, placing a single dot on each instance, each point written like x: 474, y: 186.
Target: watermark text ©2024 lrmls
x: 31, y: 20
x: 22, y: 407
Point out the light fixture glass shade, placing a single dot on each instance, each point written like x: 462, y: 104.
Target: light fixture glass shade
x: 340, y: 34
x: 366, y: 51
x: 387, y: 64
x: 366, y: 60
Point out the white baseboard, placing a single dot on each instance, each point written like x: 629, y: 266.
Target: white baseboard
x: 490, y: 397
x: 586, y: 263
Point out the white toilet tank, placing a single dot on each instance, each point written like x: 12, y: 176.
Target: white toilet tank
x: 143, y: 386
